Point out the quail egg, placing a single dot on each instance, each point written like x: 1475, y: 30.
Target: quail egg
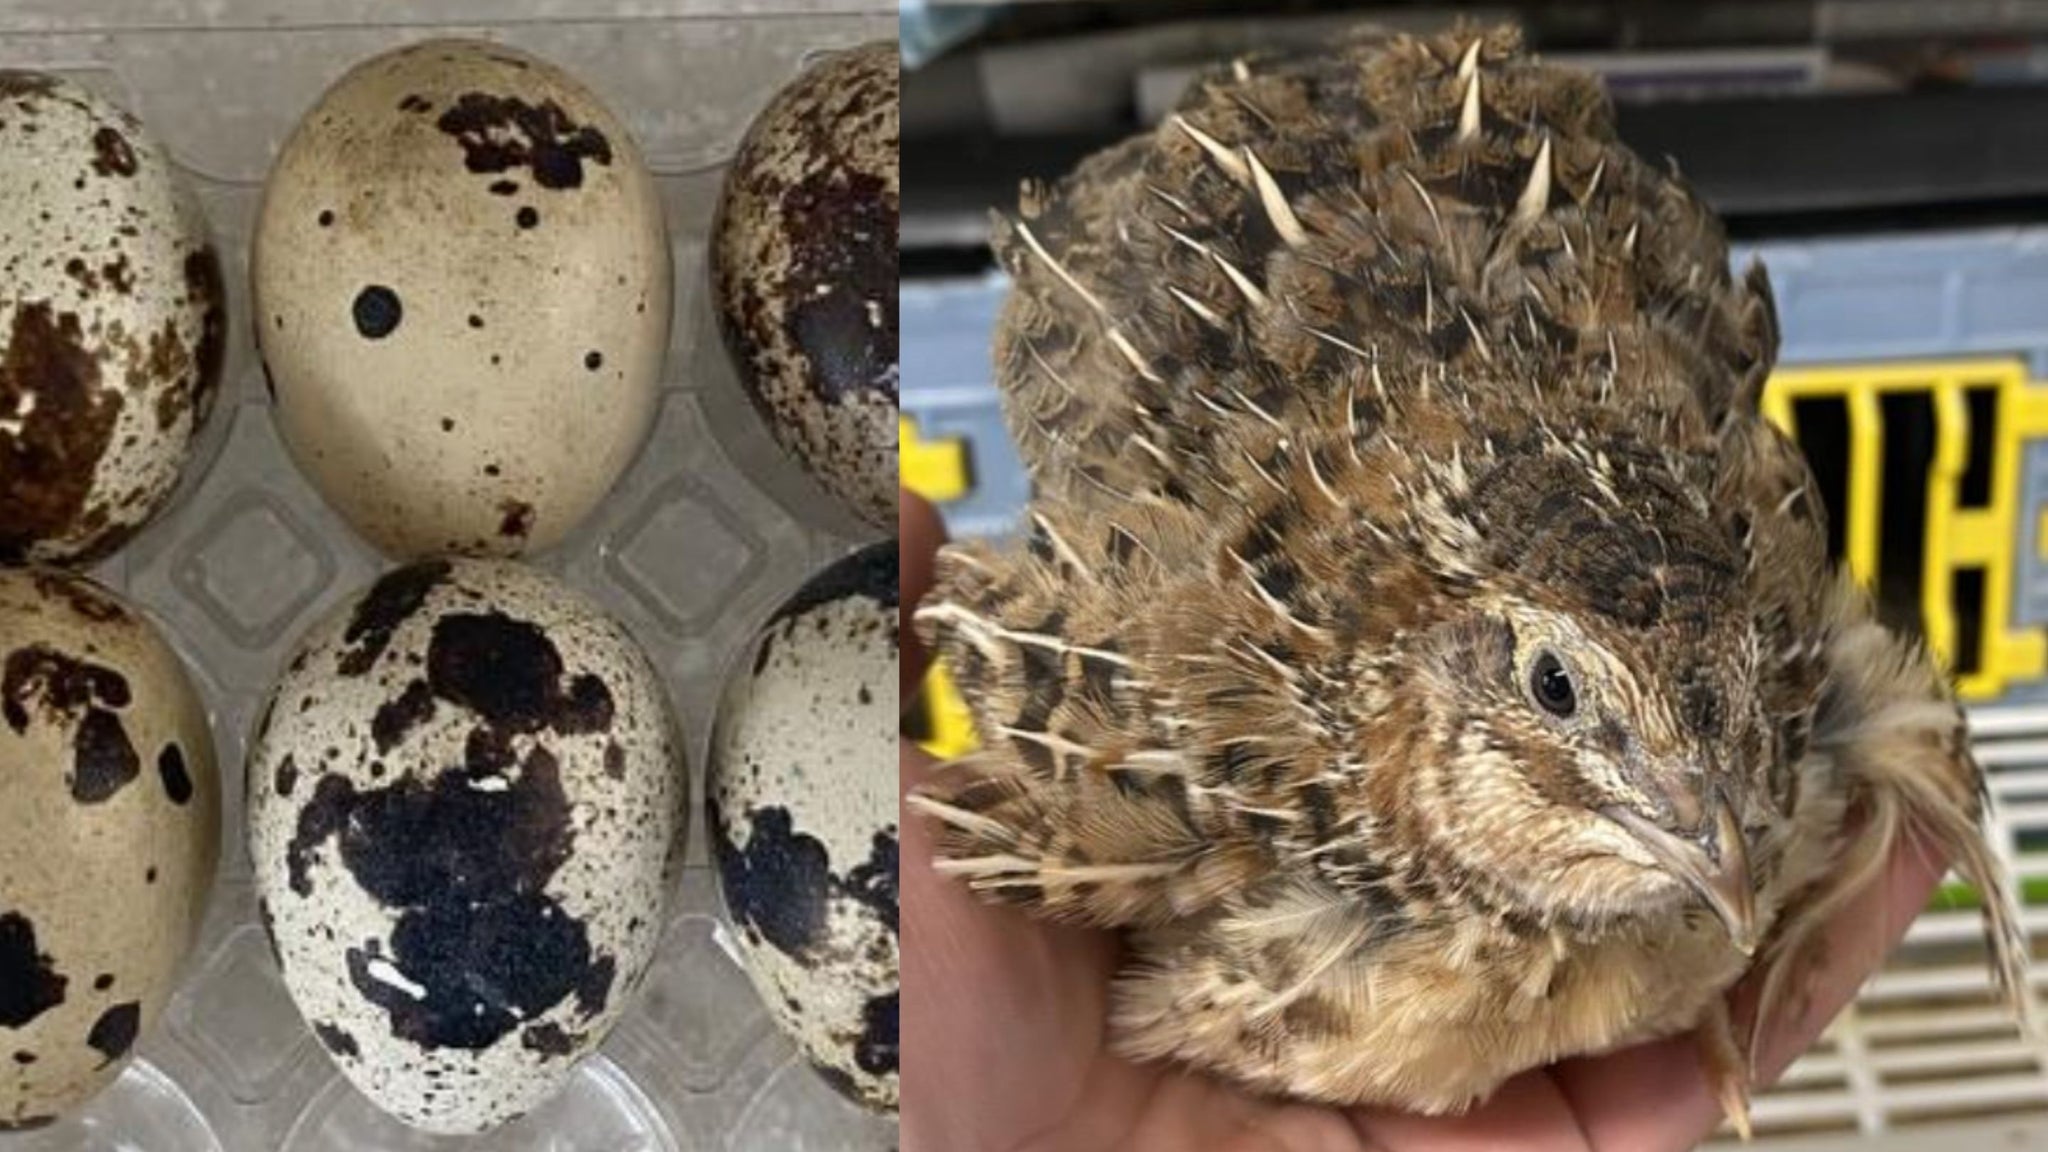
x: 109, y: 836
x: 804, y: 271
x: 461, y: 285
x: 112, y: 323
x: 804, y: 821
x: 466, y: 811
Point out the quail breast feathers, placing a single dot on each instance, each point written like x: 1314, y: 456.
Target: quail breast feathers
x: 1422, y: 649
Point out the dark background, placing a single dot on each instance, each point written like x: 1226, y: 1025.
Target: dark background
x: 1793, y: 117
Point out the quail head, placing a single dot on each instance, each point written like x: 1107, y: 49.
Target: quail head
x: 1422, y: 649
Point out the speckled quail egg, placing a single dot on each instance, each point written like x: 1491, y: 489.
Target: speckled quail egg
x: 466, y: 809
x: 109, y: 835
x: 461, y: 292
x: 112, y: 323
x: 804, y: 271
x: 804, y: 821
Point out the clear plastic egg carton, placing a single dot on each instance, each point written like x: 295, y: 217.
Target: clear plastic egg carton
x: 709, y: 530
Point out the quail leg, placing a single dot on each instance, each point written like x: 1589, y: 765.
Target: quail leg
x: 1728, y: 1071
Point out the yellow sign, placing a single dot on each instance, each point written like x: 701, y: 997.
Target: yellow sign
x: 937, y: 471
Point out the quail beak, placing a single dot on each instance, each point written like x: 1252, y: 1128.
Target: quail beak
x: 1724, y: 883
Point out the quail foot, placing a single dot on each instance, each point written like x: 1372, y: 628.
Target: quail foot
x: 1422, y: 649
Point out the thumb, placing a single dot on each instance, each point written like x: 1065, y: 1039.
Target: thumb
x: 920, y: 533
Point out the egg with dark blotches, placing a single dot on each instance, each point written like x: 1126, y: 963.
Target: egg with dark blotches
x: 112, y: 323
x: 466, y: 806
x: 109, y: 836
x: 462, y: 290
x: 803, y: 816
x: 804, y: 272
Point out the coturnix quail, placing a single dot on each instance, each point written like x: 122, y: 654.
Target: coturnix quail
x: 1422, y: 647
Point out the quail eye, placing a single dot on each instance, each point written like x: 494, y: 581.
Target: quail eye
x: 1552, y: 686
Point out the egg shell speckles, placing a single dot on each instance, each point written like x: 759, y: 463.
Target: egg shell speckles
x: 112, y: 323
x: 109, y: 836
x: 466, y: 811
x: 804, y: 821
x: 462, y: 292
x: 804, y: 270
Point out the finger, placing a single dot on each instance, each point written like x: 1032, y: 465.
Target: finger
x: 933, y: 955
x: 1650, y: 1098
x: 1303, y: 1128
x: 919, y: 534
x: 1856, y: 944
x: 1185, y: 1111
x: 1528, y: 1114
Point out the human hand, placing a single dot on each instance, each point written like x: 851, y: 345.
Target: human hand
x: 1006, y: 1048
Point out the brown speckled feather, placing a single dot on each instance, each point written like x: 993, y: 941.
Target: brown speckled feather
x: 1369, y: 399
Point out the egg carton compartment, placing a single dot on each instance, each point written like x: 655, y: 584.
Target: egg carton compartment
x: 708, y: 531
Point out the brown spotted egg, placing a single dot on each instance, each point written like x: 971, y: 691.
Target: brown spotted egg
x: 112, y: 323
x: 803, y: 815
x: 109, y: 835
x: 804, y: 270
x: 466, y: 810
x: 461, y: 292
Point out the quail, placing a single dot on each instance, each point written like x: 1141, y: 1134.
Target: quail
x: 1421, y: 648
